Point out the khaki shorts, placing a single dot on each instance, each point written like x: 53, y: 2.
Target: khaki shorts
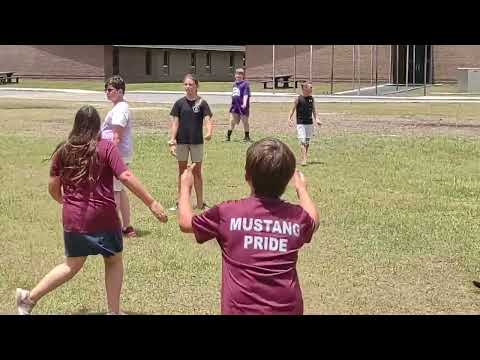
x: 195, y: 150
x: 117, y: 184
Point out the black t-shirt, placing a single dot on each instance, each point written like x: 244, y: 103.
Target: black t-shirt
x: 304, y: 110
x: 190, y: 115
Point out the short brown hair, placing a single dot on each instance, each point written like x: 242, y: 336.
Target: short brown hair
x: 307, y: 83
x: 270, y: 164
x: 117, y: 82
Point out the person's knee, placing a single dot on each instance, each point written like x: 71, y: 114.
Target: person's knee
x: 74, y: 265
x: 114, y: 259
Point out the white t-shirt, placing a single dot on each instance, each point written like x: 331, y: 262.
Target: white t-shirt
x: 120, y: 115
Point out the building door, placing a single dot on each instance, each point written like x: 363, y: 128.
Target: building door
x: 417, y: 66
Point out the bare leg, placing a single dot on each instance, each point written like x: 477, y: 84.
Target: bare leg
x: 246, y: 125
x: 198, y: 183
x: 59, y: 275
x: 303, y: 147
x: 234, y: 120
x: 113, y: 281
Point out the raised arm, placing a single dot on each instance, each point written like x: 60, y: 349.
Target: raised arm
x: 300, y: 184
x: 185, y: 212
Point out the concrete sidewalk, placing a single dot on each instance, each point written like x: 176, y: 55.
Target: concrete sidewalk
x: 218, y: 98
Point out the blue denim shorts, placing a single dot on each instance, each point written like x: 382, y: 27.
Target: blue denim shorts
x: 105, y: 244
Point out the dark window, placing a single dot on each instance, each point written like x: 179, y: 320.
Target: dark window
x: 116, y: 61
x: 209, y: 59
x: 193, y: 60
x: 166, y: 58
x: 232, y: 60
x: 166, y: 62
x: 244, y: 61
x: 208, y: 62
x: 148, y: 62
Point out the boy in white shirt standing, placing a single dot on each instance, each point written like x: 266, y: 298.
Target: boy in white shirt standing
x: 117, y: 128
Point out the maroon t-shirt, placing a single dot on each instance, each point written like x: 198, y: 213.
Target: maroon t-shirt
x: 260, y: 239
x: 90, y: 207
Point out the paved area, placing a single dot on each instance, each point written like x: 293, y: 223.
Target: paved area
x: 216, y: 98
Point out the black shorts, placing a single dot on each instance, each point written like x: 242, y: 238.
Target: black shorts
x: 106, y: 243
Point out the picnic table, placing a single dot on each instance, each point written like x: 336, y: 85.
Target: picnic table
x: 285, y: 81
x: 7, y: 76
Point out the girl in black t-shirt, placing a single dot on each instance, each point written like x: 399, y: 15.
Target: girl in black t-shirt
x: 188, y: 115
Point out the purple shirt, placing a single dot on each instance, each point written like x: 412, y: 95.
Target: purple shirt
x: 240, y: 89
x: 260, y: 239
x: 90, y: 208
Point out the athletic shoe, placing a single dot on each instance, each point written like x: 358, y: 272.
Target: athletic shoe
x: 129, y: 232
x: 113, y: 313
x: 304, y: 163
x: 174, y: 208
x: 247, y: 140
x: 24, y: 304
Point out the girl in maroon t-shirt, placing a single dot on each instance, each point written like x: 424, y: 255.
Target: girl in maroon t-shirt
x: 81, y: 179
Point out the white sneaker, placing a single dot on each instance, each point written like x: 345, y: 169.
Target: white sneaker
x: 174, y: 208
x: 24, y: 304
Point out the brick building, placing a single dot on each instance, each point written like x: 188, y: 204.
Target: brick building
x: 442, y: 61
x: 136, y: 63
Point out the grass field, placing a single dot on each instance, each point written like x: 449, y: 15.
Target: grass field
x: 397, y: 187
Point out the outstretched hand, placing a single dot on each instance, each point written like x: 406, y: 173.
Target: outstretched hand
x: 159, y: 212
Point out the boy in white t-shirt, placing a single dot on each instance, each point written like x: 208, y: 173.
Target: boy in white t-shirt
x: 117, y: 127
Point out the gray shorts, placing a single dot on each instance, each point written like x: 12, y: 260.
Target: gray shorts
x: 106, y: 244
x: 195, y: 151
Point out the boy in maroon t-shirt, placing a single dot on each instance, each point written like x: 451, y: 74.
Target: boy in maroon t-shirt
x: 259, y: 235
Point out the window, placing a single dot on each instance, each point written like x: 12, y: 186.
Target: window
x: 208, y: 62
x: 166, y: 58
x: 193, y: 61
x: 148, y: 62
x: 244, y: 61
x: 115, y: 61
x: 166, y: 62
x: 231, y: 62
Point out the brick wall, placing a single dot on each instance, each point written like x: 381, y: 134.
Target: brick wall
x: 447, y: 58
x: 79, y: 61
x: 259, y: 61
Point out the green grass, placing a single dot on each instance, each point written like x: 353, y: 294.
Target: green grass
x: 399, y: 217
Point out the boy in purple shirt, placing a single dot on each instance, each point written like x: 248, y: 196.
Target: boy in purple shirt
x: 240, y: 108
x: 259, y: 235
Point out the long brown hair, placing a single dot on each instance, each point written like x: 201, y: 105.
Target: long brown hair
x: 78, y: 155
